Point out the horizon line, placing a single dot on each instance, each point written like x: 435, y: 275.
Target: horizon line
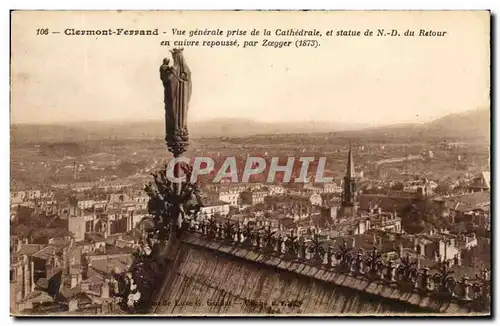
x: 361, y: 124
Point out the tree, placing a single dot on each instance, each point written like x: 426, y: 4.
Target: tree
x: 412, y: 221
x: 23, y: 215
x: 443, y: 188
x: 398, y: 186
x: 260, y: 206
x: 20, y: 230
x: 40, y: 235
x: 37, y: 228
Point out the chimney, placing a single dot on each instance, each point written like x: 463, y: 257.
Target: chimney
x: 32, y: 275
x: 445, y: 250
x: 129, y: 221
x: 105, y: 290
x: 72, y: 305
x: 74, y: 280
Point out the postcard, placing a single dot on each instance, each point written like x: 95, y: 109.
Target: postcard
x: 250, y: 163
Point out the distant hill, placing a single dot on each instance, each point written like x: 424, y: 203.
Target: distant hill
x: 242, y: 128
x: 476, y: 123
x: 473, y: 124
x: 155, y: 129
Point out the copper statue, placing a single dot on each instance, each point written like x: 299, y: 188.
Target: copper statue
x: 177, y: 86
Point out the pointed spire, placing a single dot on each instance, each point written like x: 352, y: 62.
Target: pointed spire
x: 350, y: 164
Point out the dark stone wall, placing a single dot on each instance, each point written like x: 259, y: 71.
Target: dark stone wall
x: 204, y: 281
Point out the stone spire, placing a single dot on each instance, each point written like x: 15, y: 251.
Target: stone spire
x: 350, y: 165
x: 349, y: 189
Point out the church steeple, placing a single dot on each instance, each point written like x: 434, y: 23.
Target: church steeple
x: 350, y: 164
x: 349, y: 191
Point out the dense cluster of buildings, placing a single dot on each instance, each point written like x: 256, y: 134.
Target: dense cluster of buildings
x: 104, y: 222
x: 344, y: 212
x: 73, y: 273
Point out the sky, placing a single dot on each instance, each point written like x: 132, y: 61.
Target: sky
x: 371, y: 80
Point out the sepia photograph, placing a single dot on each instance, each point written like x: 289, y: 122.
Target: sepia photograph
x: 250, y: 163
